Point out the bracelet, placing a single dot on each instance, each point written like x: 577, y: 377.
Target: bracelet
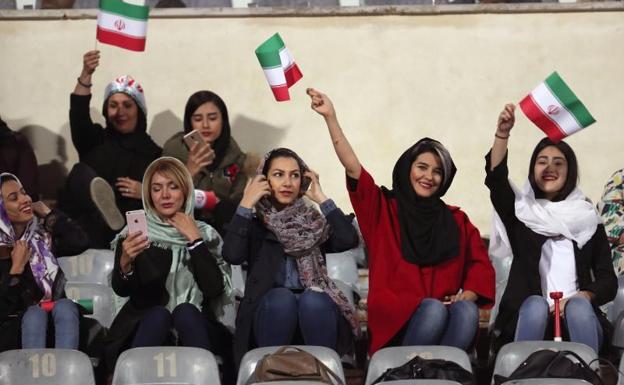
x: 82, y: 84
x: 501, y: 137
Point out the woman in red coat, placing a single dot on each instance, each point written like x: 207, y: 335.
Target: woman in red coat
x: 429, y: 269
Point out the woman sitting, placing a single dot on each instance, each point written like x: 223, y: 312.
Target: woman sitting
x: 288, y: 296
x: 558, y: 244
x: 428, y: 266
x: 30, y: 277
x: 173, y: 275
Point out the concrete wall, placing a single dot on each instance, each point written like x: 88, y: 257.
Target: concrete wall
x: 394, y: 75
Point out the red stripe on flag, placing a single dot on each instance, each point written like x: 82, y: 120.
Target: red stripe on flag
x: 293, y: 74
x: 533, y: 111
x: 120, y: 40
x: 281, y: 93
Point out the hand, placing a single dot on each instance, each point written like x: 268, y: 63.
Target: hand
x: 321, y: 103
x: 315, y: 192
x: 185, y: 225
x: 506, y: 120
x: 128, y: 188
x: 134, y: 244
x: 90, y: 61
x: 200, y: 156
x: 256, y: 189
x: 40, y: 209
x: 19, y: 256
x: 466, y: 295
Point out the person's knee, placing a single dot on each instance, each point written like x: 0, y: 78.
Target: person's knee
x: 434, y: 309
x: 467, y: 310
x: 185, y: 315
x: 313, y: 303
x: 578, y: 308
x: 535, y: 305
x: 158, y: 315
x: 279, y: 300
x: 65, y: 310
x: 35, y: 316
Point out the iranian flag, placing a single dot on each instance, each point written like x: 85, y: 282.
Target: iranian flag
x: 279, y: 66
x: 554, y: 108
x: 123, y: 25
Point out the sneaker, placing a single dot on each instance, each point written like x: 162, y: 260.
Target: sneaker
x: 103, y: 197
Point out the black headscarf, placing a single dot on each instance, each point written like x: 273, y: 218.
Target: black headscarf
x: 429, y: 233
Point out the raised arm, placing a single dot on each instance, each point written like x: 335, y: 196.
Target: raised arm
x: 324, y: 107
x: 90, y: 61
x: 506, y: 121
x: 85, y: 135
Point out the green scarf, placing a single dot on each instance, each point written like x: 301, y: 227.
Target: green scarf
x: 180, y: 282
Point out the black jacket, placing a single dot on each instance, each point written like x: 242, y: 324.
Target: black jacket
x: 17, y: 293
x: 248, y: 240
x: 594, y: 259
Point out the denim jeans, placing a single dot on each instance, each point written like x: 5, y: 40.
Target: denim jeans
x: 66, y: 326
x: 580, y: 320
x: 434, y: 324
x: 281, y: 311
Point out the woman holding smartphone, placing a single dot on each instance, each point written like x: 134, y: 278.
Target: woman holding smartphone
x: 216, y: 163
x: 31, y: 238
x: 557, y: 241
x: 173, y: 275
x: 429, y: 268
x: 289, y: 297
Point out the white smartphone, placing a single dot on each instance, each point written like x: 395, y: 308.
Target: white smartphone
x: 193, y: 137
x: 136, y: 222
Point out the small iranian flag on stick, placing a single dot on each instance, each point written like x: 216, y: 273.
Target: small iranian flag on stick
x: 123, y: 25
x: 279, y: 66
x: 554, y: 108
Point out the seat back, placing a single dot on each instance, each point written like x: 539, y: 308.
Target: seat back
x: 513, y: 354
x: 393, y: 357
x: 92, y: 266
x: 547, y: 381
x: 171, y: 365
x: 45, y: 367
x: 101, y: 295
x: 325, y: 355
x: 617, y: 306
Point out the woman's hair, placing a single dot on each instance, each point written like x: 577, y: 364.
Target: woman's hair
x: 199, y: 98
x: 7, y: 177
x: 572, y: 179
x: 282, y: 153
x: 171, y: 169
x: 437, y: 149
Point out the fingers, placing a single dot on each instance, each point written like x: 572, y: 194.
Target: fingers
x: 312, y: 175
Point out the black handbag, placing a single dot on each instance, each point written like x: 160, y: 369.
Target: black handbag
x: 433, y: 369
x: 551, y: 364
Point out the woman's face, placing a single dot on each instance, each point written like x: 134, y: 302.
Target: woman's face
x: 426, y: 174
x: 17, y: 203
x: 122, y: 112
x: 167, y: 196
x: 284, y: 177
x: 207, y: 119
x: 550, y: 171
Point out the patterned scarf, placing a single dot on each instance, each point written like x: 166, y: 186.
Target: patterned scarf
x: 301, y: 230
x: 43, y: 263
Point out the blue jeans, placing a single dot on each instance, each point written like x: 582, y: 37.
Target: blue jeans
x: 281, y: 311
x: 433, y: 324
x: 580, y: 320
x: 66, y: 326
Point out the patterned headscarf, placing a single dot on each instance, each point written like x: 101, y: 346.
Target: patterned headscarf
x: 127, y: 85
x: 43, y: 263
x: 302, y: 229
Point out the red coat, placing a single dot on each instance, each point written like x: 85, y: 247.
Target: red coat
x: 396, y: 286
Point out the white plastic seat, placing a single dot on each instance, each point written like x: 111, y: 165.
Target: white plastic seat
x: 420, y: 382
x: 171, y: 365
x: 92, y: 266
x: 621, y: 376
x: 45, y: 367
x: 547, y: 381
x: 513, y: 354
x: 393, y: 357
x: 617, y: 307
x: 325, y: 355
x: 101, y: 295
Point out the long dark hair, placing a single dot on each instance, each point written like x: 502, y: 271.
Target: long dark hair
x: 220, y: 145
x: 572, y: 179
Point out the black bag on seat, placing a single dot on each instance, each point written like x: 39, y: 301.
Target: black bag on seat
x: 551, y: 364
x: 433, y: 369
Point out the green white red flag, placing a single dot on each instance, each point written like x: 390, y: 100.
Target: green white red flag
x: 279, y: 67
x: 122, y: 24
x: 554, y: 108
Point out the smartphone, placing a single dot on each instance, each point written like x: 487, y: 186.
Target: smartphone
x: 192, y: 138
x: 305, y: 184
x: 136, y: 222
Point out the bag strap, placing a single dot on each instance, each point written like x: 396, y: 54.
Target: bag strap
x: 327, y: 369
x: 581, y: 362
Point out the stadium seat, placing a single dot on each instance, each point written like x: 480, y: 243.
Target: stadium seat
x: 45, y: 367
x: 396, y: 356
x: 547, y: 381
x: 325, y: 355
x: 617, y: 306
x: 171, y: 365
x: 342, y: 266
x: 513, y: 354
x: 92, y: 266
x: 101, y: 295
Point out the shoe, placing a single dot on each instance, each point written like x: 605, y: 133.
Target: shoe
x: 103, y: 197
